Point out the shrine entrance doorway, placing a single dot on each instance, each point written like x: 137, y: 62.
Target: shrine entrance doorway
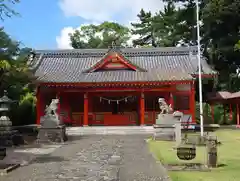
x: 116, y: 110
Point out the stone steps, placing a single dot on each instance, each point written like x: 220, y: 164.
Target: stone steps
x: 131, y: 130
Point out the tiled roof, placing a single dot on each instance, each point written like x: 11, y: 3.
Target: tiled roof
x: 222, y: 96
x: 160, y: 64
x: 217, y: 96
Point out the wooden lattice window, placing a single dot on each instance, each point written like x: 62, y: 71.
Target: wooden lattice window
x: 181, y: 102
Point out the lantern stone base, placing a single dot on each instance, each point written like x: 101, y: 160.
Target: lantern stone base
x: 52, y: 135
x: 8, y: 138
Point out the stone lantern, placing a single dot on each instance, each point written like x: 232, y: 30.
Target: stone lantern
x: 5, y: 122
x: 6, y: 132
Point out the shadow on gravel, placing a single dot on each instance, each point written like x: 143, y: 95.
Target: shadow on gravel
x: 49, y: 159
x: 73, y: 138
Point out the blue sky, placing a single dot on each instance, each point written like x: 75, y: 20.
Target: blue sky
x: 42, y: 22
x: 39, y: 23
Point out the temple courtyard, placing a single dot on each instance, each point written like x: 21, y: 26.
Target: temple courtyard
x: 119, y: 155
x: 91, y: 158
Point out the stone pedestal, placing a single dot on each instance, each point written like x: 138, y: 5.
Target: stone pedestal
x: 52, y: 135
x: 50, y: 131
x: 165, y: 119
x: 164, y: 132
x: 167, y: 128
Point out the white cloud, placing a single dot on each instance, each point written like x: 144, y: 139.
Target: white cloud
x: 121, y: 11
x: 63, y: 40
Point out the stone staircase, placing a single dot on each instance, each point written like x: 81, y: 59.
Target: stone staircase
x: 110, y: 130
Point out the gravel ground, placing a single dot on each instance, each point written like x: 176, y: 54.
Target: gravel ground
x: 94, y: 158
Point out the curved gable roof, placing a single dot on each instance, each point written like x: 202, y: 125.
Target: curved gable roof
x: 71, y: 65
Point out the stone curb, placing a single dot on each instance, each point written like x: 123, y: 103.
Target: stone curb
x: 160, y: 165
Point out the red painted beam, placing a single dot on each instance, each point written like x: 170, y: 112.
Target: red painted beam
x: 120, y: 90
x: 114, y: 84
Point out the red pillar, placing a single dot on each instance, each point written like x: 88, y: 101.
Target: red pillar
x: 192, y: 102
x: 230, y: 112
x: 85, y: 116
x: 238, y: 120
x: 142, y: 108
x: 38, y: 106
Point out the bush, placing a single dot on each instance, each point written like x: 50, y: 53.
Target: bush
x: 218, y: 114
x: 25, y: 112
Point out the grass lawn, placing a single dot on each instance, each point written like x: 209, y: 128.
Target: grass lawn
x: 228, y: 155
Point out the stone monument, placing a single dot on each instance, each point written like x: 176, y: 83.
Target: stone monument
x: 52, y: 128
x: 178, y: 129
x: 211, y: 147
x: 168, y: 123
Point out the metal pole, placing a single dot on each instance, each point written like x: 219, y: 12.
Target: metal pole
x: 199, y: 68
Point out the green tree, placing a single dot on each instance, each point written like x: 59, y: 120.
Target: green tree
x: 166, y: 23
x: 145, y: 29
x: 13, y: 65
x: 100, y: 36
x: 5, y: 8
x: 159, y: 29
x: 222, y: 31
x: 14, y: 77
x: 14, y: 72
x: 186, y: 20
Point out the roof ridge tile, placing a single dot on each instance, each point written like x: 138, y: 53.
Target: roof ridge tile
x: 125, y: 51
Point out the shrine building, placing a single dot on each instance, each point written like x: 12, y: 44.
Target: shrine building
x: 116, y: 86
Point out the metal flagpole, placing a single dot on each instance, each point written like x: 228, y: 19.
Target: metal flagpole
x: 199, y: 68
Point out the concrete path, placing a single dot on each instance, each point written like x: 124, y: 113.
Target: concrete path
x: 94, y: 158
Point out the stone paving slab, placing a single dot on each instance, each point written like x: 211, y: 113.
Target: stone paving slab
x: 111, y: 130
x: 94, y: 158
x: 25, y: 154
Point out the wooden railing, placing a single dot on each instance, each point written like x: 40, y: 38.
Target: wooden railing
x: 97, y: 118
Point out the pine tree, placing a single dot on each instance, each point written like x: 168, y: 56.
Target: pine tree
x: 145, y: 29
x: 166, y: 26
x: 157, y: 30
